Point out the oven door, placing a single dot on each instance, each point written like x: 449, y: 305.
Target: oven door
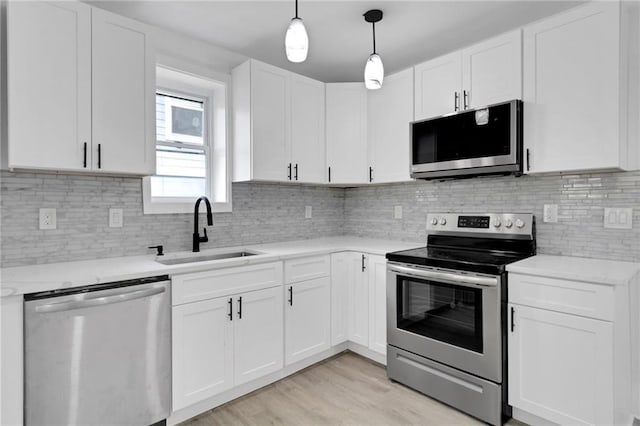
x: 447, y: 316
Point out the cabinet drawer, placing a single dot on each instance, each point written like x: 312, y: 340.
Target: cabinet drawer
x: 572, y: 297
x: 223, y: 282
x: 306, y: 268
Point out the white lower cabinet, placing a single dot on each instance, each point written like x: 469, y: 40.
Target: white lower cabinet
x: 202, y: 350
x: 569, y: 351
x: 378, y: 304
x: 307, y: 318
x: 225, y: 341
x: 258, y: 335
x: 359, y: 300
x: 561, y: 366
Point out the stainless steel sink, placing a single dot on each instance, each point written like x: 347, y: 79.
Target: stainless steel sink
x: 206, y: 257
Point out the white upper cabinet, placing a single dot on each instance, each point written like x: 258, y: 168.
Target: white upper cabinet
x: 437, y: 86
x: 347, y: 133
x: 307, y: 130
x: 81, y: 85
x: 486, y: 73
x: 492, y: 71
x: 278, y: 122
x: 123, y: 87
x: 390, y: 110
x: 576, y: 90
x: 49, y: 84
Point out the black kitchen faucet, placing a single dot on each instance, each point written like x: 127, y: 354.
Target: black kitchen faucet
x: 197, y: 239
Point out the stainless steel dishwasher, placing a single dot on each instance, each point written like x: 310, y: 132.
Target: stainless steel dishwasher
x: 99, y: 355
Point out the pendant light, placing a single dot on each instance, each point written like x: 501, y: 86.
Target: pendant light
x: 296, y: 41
x: 373, y: 70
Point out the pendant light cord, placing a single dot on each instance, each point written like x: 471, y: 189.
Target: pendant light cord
x: 296, y: 9
x: 374, y: 35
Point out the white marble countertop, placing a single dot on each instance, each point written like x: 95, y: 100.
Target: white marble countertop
x: 598, y: 271
x: 30, y: 279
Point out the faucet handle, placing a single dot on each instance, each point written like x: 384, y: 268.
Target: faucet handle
x: 205, y: 238
x: 159, y: 248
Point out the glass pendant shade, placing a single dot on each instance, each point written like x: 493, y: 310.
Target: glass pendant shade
x: 296, y: 41
x: 373, y: 72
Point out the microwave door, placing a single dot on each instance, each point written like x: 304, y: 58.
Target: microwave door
x: 479, y: 141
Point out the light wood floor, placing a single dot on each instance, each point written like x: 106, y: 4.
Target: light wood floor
x: 344, y: 390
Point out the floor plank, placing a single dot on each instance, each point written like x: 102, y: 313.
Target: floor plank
x: 343, y: 390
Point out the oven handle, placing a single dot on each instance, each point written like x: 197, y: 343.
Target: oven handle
x: 451, y: 277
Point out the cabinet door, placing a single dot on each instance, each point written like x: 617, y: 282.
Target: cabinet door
x: 202, y: 350
x: 123, y: 85
x: 340, y: 297
x: 49, y: 84
x: 378, y: 303
x: 347, y: 132
x: 308, y: 152
x: 258, y: 334
x: 437, y: 86
x: 306, y: 319
x: 571, y: 89
x: 561, y: 366
x: 492, y: 71
x: 358, y: 287
x: 390, y: 110
x: 270, y: 122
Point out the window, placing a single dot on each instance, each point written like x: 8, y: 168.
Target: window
x: 191, y: 144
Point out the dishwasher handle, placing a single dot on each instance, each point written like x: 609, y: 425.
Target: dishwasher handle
x: 99, y: 301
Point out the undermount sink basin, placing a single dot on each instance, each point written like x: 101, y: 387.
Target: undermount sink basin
x: 206, y: 257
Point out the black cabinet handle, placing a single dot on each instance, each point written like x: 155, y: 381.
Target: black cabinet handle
x: 329, y: 173
x: 290, y: 295
x: 240, y: 307
x: 230, y: 314
x: 513, y: 324
x: 528, y: 160
x: 465, y: 97
x: 363, y: 266
x: 289, y: 173
x: 296, y: 167
x: 370, y: 174
x: 99, y: 156
x: 456, y: 99
x: 84, y: 162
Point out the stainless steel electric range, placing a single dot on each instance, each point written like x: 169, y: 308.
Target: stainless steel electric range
x: 447, y: 310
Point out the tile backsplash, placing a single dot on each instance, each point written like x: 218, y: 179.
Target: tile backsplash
x: 275, y: 212
x: 261, y: 213
x: 369, y: 211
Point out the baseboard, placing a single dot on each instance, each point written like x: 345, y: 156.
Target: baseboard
x: 367, y: 353
x: 238, y: 391
x: 530, y: 419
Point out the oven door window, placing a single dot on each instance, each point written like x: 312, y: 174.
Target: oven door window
x: 444, y: 312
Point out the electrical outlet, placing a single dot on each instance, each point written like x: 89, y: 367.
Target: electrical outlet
x: 116, y: 218
x: 550, y: 213
x: 397, y: 212
x: 618, y: 218
x: 307, y: 212
x: 48, y: 219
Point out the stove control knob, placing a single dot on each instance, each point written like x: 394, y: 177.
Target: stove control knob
x: 443, y: 221
x: 496, y: 223
x: 434, y: 221
x: 508, y: 223
x: 520, y: 223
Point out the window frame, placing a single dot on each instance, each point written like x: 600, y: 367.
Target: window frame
x: 189, y: 80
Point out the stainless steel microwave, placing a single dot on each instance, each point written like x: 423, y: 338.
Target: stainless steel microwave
x: 474, y: 142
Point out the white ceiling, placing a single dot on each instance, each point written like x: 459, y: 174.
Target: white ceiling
x: 340, y: 39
